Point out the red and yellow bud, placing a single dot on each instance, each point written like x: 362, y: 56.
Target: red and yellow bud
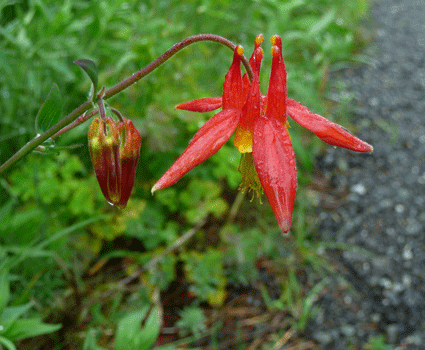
x: 114, y: 149
x: 129, y: 156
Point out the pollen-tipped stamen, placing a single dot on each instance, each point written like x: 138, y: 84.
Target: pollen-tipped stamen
x: 250, y: 181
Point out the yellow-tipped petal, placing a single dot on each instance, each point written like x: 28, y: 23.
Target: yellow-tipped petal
x: 239, y: 50
x: 259, y: 40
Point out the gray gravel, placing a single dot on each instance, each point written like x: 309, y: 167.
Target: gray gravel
x: 377, y: 202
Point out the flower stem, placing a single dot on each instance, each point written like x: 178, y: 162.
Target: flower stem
x: 165, y: 56
x: 77, y: 114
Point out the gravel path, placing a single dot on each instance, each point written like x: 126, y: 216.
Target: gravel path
x: 377, y: 202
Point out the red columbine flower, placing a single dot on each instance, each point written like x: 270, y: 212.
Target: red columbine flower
x: 114, y: 149
x: 268, y: 161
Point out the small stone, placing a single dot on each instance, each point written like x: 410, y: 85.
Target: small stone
x: 348, y: 330
x: 392, y: 333
x: 374, y: 102
x: 407, y: 252
x: 386, y: 203
x: 322, y: 337
x: 359, y: 189
x: 386, y: 283
x: 376, y: 318
x: 399, y: 208
x: 347, y: 299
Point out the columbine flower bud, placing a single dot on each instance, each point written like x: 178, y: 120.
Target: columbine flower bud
x: 114, y: 149
x: 129, y: 156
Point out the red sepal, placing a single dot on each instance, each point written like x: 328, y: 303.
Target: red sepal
x: 207, y: 104
x: 275, y: 164
x: 206, y: 142
x: 326, y: 130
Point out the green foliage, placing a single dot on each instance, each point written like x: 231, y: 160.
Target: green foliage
x: 205, y: 271
x: 202, y: 198
x: 130, y: 334
x: 377, y: 343
x: 192, y: 320
x: 50, y: 111
x: 165, y: 273
x: 14, y: 326
x: 92, y: 71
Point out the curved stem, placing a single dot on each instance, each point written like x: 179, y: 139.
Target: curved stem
x: 117, y: 113
x: 78, y: 112
x: 80, y: 120
x: 165, y: 56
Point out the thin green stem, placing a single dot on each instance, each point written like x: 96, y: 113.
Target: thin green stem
x: 78, y: 112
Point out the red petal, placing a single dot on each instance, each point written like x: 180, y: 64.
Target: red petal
x: 326, y: 130
x: 276, y: 94
x: 202, y: 104
x: 232, y: 87
x: 275, y: 163
x: 207, y: 141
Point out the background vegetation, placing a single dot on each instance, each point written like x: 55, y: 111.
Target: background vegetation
x: 70, y: 259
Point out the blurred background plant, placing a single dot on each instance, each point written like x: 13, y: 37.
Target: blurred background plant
x: 237, y: 266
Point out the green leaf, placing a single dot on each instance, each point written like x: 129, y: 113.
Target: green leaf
x: 11, y: 314
x: 131, y: 336
x: 7, y: 343
x: 91, y: 69
x: 4, y: 290
x: 128, y: 329
x: 50, y: 111
x: 28, y: 328
x: 150, y: 331
x: 322, y: 23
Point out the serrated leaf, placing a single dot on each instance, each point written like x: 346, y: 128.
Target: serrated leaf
x: 50, y: 111
x: 91, y: 69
